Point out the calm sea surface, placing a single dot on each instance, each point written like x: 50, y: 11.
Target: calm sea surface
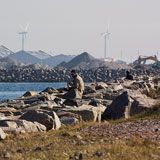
x: 14, y: 90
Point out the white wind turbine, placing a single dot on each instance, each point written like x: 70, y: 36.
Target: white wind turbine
x: 23, y: 33
x: 106, y: 37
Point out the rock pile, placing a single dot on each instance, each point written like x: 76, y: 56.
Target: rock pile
x: 60, y: 74
x: 39, y: 112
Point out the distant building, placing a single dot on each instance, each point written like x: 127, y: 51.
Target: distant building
x: 113, y: 60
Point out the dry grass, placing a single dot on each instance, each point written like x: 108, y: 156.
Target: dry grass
x: 68, y: 143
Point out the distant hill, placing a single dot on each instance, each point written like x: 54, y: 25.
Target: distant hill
x: 4, y: 51
x: 55, y: 60
x: 80, y: 61
x: 24, y: 57
x: 39, y: 54
x: 86, y: 61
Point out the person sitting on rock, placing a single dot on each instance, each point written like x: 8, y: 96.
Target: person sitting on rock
x: 76, y: 88
x: 129, y: 76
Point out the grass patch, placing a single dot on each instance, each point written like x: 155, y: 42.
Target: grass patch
x: 154, y: 93
x: 54, y: 145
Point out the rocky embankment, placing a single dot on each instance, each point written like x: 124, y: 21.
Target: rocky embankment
x: 27, y: 74
x: 44, y: 111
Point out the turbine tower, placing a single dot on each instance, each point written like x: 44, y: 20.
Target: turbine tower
x: 23, y: 33
x: 106, y: 37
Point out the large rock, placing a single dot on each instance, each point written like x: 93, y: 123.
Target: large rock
x: 49, y: 90
x: 21, y: 126
x: 101, y: 85
x: 29, y: 93
x: 117, y: 87
x: 2, y: 116
x: 74, y: 102
x: 7, y: 111
x: 89, y: 89
x: 57, y: 123
x: 111, y: 96
x: 68, y: 118
x: 128, y: 104
x: 51, y: 121
x: 88, y: 112
x: 2, y: 134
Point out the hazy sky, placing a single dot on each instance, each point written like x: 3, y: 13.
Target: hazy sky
x: 75, y: 26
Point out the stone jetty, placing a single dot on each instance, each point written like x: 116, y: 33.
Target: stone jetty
x: 102, y: 101
x: 60, y: 74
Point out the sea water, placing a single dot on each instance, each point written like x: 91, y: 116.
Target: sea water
x: 14, y: 90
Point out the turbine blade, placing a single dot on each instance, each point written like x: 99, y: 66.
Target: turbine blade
x: 22, y: 28
x: 104, y: 34
x: 26, y: 28
x: 108, y: 28
x: 108, y: 36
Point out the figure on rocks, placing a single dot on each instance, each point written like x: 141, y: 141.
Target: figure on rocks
x: 129, y: 76
x: 76, y: 88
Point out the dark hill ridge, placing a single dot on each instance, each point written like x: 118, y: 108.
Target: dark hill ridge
x: 86, y: 61
x: 81, y: 60
x: 55, y: 60
x: 24, y: 57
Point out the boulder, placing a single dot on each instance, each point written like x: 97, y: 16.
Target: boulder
x: 87, y: 112
x: 21, y: 126
x: 111, y: 96
x: 50, y: 121
x: 67, y: 121
x: 128, y: 104
x: 98, y: 95
x: 74, y: 102
x: 117, y: 87
x: 68, y: 118
x: 29, y: 93
x: 101, y: 85
x: 7, y: 111
x: 57, y: 123
x: 94, y: 102
x: 49, y: 90
x: 46, y: 97
x: 89, y: 89
x: 2, y: 116
x: 2, y: 134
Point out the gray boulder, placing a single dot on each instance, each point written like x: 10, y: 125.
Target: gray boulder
x: 128, y: 104
x: 50, y: 121
x: 101, y: 85
x: 87, y: 112
x: 67, y: 121
x: 21, y: 126
x: 49, y: 90
x: 68, y: 118
x: 89, y: 89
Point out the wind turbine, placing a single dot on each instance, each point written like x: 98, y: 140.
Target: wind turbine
x: 106, y: 37
x: 23, y: 33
